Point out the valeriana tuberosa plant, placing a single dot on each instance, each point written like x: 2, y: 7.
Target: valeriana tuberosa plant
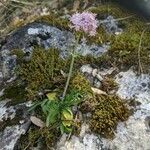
x: 86, y: 22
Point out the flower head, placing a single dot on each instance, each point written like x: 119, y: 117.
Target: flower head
x: 85, y: 21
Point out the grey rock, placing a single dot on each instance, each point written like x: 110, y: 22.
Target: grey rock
x: 10, y: 136
x: 86, y: 69
x: 111, y: 25
x: 132, y: 86
x: 97, y: 83
x: 130, y: 135
x: 18, y: 122
x: 99, y: 77
x: 92, y: 75
x: 43, y: 35
x: 94, y: 72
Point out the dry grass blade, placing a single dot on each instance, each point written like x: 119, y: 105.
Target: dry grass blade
x: 25, y: 3
x: 139, y: 51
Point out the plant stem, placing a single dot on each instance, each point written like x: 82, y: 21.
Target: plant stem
x: 71, y: 68
x: 69, y: 75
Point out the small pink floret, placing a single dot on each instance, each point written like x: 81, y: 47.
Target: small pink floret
x: 85, y: 21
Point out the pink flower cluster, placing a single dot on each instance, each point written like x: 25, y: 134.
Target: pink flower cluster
x: 85, y: 21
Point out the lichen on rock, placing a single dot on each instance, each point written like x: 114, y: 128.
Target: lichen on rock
x: 14, y: 121
x: 133, y: 86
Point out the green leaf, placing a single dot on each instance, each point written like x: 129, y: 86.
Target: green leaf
x: 48, y: 120
x: 45, y: 109
x: 44, y: 106
x: 67, y: 114
x: 51, y: 96
x: 53, y: 114
x: 44, y: 102
x: 68, y: 129
x: 35, y: 105
x: 72, y: 98
x: 67, y: 117
x: 64, y: 129
x: 51, y: 118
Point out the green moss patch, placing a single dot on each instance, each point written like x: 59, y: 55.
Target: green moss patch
x: 81, y: 84
x: 107, y: 112
x: 124, y: 51
x: 16, y: 92
x: 108, y: 84
x: 124, y: 48
x: 46, y: 137
x: 42, y: 71
x: 54, y: 20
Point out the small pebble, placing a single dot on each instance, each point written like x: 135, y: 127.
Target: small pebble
x: 94, y: 72
x: 97, y: 84
x: 21, y: 121
x: 99, y: 77
x: 86, y: 68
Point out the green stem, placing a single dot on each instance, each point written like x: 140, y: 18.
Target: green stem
x: 71, y: 68
x: 69, y: 75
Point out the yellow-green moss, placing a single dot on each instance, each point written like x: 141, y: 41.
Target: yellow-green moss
x: 54, y: 20
x: 81, y: 84
x: 88, y: 105
x: 42, y: 71
x: 19, y: 53
x: 77, y: 127
x: 124, y: 50
x: 108, y: 111
x: 108, y: 84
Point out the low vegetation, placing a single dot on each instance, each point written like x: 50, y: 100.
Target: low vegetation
x: 106, y: 114
x: 44, y: 76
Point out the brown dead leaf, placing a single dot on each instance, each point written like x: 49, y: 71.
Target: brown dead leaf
x: 36, y: 121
